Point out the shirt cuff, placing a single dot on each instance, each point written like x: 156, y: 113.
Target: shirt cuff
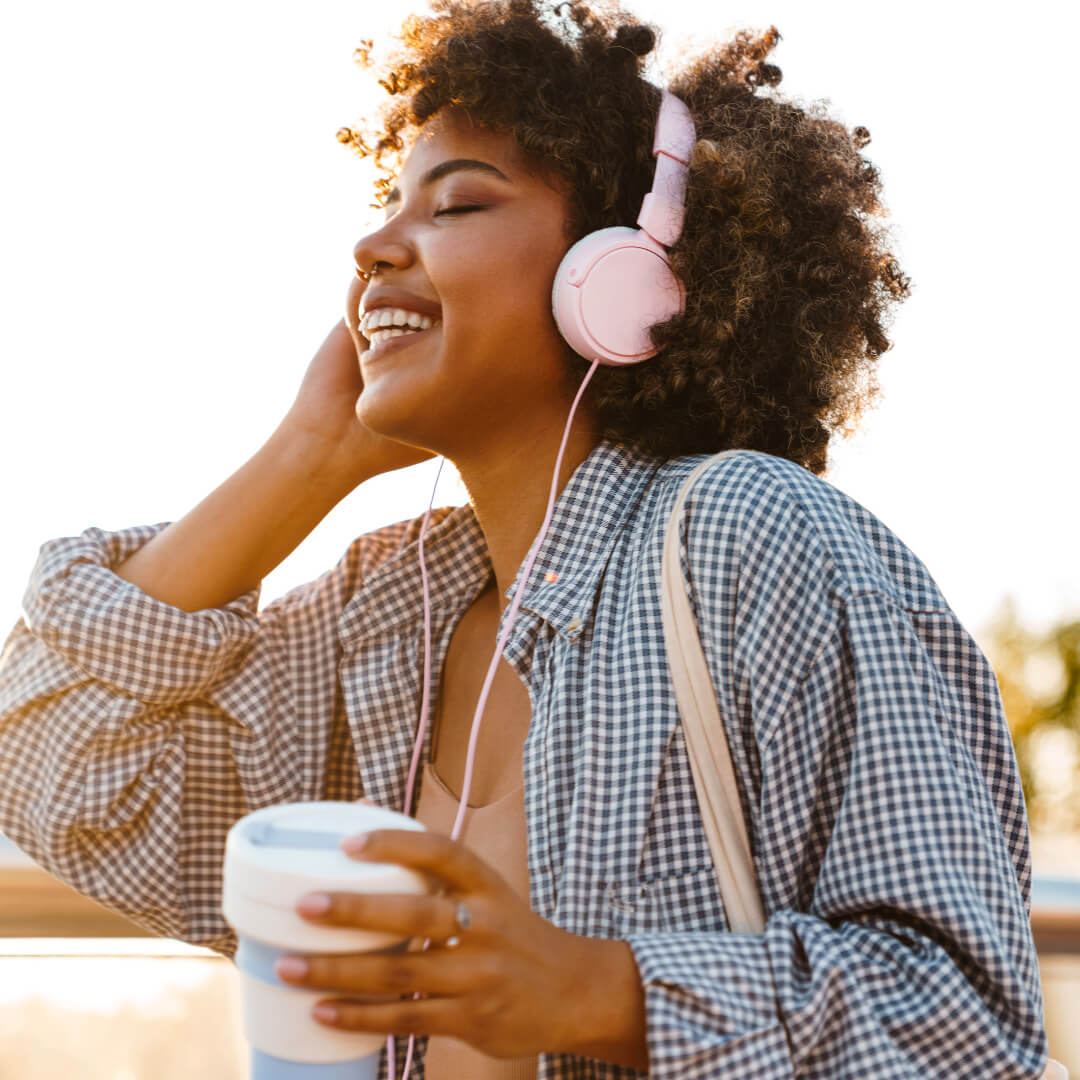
x: 710, y: 1007
x: 118, y: 634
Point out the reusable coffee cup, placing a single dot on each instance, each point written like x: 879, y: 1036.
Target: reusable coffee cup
x: 273, y: 857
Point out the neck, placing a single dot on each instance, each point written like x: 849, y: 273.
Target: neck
x: 509, y: 493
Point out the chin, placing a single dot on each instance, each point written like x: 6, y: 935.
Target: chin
x: 391, y: 415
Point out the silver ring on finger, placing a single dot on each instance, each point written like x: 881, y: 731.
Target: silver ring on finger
x: 462, y: 917
x: 462, y: 922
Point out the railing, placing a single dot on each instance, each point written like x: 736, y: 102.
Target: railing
x: 34, y: 904
x: 40, y: 917
x: 1055, y: 914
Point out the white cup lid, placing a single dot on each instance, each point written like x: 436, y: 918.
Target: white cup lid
x: 275, y: 855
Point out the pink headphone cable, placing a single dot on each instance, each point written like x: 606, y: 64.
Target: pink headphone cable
x: 391, y: 1054
x: 417, y: 746
x: 475, y: 733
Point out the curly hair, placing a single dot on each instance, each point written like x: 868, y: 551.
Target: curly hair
x: 789, y: 280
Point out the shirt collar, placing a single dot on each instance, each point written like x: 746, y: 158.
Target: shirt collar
x: 390, y: 600
x: 588, y: 515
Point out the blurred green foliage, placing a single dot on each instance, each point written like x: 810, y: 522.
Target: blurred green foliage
x: 1038, y: 673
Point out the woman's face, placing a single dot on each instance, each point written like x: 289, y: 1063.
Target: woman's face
x: 494, y: 367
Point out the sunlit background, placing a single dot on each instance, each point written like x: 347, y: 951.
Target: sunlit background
x: 178, y: 221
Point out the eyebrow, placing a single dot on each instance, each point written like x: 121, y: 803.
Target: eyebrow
x: 444, y: 168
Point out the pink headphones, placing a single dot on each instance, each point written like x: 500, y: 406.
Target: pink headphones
x: 610, y: 287
x: 615, y: 283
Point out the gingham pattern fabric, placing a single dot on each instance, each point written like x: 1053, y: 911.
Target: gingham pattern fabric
x: 875, y: 769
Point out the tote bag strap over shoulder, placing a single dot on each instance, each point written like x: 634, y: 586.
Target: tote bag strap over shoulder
x: 703, y: 730
x: 707, y: 747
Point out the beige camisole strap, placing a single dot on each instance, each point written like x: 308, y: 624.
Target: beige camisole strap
x: 496, y: 832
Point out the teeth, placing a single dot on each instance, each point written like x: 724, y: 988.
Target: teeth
x: 375, y: 336
x: 386, y: 317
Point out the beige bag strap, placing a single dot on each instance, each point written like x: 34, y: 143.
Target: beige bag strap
x: 710, y: 758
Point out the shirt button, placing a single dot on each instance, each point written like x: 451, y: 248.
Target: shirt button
x: 574, y: 626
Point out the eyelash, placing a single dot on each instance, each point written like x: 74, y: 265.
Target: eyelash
x: 457, y: 210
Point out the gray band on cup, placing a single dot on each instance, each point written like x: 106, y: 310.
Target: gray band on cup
x: 266, y: 834
x: 257, y: 959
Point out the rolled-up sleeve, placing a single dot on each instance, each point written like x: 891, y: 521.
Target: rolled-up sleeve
x: 113, y: 632
x: 134, y: 734
x: 897, y: 941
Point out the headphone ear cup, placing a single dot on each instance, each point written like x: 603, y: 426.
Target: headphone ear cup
x: 610, y: 288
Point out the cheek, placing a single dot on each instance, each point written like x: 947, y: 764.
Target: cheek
x: 503, y: 271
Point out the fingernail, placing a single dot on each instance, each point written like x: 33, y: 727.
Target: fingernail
x: 291, y: 967
x: 355, y: 844
x: 314, y: 904
x: 325, y: 1012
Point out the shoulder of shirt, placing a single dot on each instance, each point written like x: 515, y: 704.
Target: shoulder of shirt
x: 375, y: 553
x: 776, y: 510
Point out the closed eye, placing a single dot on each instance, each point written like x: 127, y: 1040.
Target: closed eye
x: 458, y: 210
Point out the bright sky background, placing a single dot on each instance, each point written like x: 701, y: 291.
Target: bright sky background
x: 178, y: 223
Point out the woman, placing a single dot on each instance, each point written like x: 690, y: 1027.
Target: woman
x: 147, y: 703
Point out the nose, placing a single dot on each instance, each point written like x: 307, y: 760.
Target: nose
x: 377, y: 249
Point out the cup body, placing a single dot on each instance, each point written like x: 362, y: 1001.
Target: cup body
x: 273, y: 857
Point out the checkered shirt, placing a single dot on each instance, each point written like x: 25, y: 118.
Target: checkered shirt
x: 875, y: 768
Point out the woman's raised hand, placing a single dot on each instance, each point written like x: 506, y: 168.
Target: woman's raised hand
x: 324, y: 413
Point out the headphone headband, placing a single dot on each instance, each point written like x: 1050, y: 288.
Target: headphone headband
x: 664, y: 208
